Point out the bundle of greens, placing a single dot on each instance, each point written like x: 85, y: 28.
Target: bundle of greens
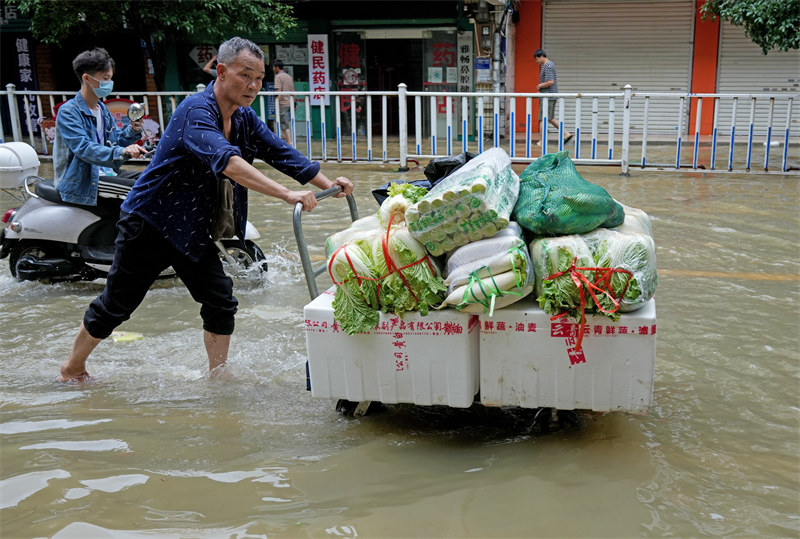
x: 473, y: 203
x: 356, y: 300
x: 615, y: 267
x: 383, y: 269
x: 401, y: 196
x: 411, y: 281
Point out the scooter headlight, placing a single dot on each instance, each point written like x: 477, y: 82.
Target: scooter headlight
x: 16, y: 226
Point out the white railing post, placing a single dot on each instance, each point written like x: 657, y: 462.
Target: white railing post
x: 612, y: 105
x: 512, y: 120
x: 292, y: 117
x: 626, y: 128
x: 698, y: 116
x: 577, y: 127
x: 384, y: 124
x: 680, y: 134
x: 496, y: 121
x: 528, y: 125
x: 480, y: 125
x: 750, y: 132
x: 769, y: 133
x: 786, y: 135
x: 433, y: 125
x: 278, y: 125
x: 13, y: 113
x: 449, y: 118
x: 308, y: 125
x: 644, y: 129
x: 402, y: 118
x: 733, y: 133
x: 545, y: 107
x: 417, y: 124
x: 714, y: 130
x: 353, y: 125
x: 464, y: 123
x: 338, y: 104
x: 560, y: 124
x: 369, y: 127
x: 595, y: 113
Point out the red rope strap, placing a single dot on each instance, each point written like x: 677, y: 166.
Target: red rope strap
x: 601, y: 284
x: 390, y: 265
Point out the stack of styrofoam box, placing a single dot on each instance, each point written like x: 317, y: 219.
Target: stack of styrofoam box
x: 531, y: 361
x: 415, y: 359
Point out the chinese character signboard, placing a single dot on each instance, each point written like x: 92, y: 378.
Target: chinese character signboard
x: 201, y: 54
x: 464, y: 62
x: 318, y: 68
x: 22, y: 59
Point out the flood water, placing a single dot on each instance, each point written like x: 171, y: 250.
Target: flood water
x: 152, y: 447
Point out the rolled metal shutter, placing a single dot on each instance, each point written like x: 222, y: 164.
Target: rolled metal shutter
x: 743, y: 69
x: 603, y: 45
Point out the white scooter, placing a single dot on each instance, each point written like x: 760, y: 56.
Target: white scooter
x: 48, y: 239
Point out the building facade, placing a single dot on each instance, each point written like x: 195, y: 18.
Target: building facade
x: 457, y: 45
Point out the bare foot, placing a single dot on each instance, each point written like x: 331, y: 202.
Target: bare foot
x: 69, y: 375
x: 220, y: 372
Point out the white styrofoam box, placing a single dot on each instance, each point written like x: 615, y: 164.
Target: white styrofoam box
x: 415, y: 359
x: 17, y: 161
x: 529, y: 361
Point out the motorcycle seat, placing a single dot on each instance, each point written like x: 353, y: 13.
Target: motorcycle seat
x: 106, y: 207
x: 116, y: 186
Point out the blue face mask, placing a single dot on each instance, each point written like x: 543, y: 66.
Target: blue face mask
x: 105, y: 88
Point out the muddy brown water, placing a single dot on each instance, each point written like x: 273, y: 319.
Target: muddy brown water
x: 153, y: 447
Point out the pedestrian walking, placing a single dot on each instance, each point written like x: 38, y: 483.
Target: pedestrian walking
x: 548, y: 84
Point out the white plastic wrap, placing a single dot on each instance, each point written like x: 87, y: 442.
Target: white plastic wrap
x: 473, y: 203
x: 489, y: 274
x: 626, y: 249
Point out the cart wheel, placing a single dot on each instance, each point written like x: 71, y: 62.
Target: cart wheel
x: 358, y: 409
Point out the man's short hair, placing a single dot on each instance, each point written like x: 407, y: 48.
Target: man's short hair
x: 277, y: 63
x: 95, y: 60
x: 539, y: 53
x: 231, y: 48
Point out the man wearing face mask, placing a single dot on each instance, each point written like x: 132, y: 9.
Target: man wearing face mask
x: 88, y: 143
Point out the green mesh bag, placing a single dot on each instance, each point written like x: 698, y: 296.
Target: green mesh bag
x: 555, y: 200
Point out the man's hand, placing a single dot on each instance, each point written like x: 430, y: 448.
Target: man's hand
x: 347, y: 186
x: 134, y: 151
x: 307, y: 198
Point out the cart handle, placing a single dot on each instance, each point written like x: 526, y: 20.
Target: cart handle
x: 311, y: 272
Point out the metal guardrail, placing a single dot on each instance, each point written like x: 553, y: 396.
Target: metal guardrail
x: 457, y: 122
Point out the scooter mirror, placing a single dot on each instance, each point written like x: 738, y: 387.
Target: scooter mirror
x: 135, y: 112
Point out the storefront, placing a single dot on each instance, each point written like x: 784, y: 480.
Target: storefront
x: 743, y: 68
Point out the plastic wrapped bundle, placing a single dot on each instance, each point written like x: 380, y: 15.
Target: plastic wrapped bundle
x: 360, y: 229
x: 555, y: 200
x: 473, y: 203
x: 629, y: 247
x: 616, y: 270
x: 553, y: 262
x: 489, y: 274
x: 484, y: 256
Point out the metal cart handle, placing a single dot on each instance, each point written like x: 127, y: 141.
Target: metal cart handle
x: 310, y: 272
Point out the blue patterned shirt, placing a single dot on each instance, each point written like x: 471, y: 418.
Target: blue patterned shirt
x: 178, y: 191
